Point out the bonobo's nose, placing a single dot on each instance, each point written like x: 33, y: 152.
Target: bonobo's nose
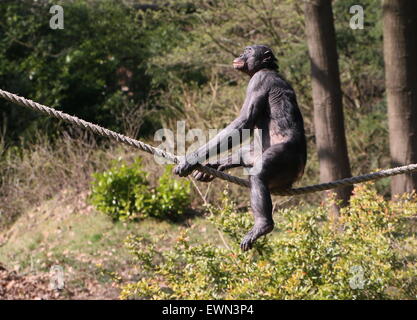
x: 238, y: 63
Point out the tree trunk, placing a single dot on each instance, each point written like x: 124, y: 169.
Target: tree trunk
x: 327, y: 95
x: 400, y: 56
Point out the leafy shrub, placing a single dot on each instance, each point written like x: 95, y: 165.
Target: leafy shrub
x: 114, y: 192
x: 172, y: 196
x: 307, y: 259
x: 123, y: 192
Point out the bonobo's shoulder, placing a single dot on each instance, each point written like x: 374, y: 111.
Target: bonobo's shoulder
x: 270, y: 79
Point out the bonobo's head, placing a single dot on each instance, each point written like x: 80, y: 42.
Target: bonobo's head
x: 255, y: 58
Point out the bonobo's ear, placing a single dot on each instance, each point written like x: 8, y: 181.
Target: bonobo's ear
x: 267, y: 56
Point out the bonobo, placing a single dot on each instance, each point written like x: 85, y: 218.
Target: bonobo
x: 270, y: 105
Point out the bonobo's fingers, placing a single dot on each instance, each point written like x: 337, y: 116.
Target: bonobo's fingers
x: 175, y: 170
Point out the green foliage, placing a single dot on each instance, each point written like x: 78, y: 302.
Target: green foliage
x: 103, y: 50
x: 123, y: 192
x: 114, y: 192
x: 171, y: 196
x: 176, y: 62
x: 307, y: 259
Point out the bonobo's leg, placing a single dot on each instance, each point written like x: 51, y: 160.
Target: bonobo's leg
x: 244, y: 156
x: 279, y: 168
x: 261, y: 204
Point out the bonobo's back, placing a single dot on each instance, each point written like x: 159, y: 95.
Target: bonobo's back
x: 283, y: 109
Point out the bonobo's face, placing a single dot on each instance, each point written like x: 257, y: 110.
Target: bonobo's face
x: 254, y: 58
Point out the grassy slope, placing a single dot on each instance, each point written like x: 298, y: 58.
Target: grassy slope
x: 88, y: 245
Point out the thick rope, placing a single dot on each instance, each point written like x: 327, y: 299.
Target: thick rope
x: 218, y: 174
x: 113, y: 135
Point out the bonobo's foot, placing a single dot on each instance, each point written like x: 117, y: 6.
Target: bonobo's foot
x: 204, y: 177
x: 256, y: 232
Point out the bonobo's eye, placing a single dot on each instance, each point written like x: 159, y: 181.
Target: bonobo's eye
x: 247, y: 50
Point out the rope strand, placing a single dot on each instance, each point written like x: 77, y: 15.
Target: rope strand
x: 175, y: 159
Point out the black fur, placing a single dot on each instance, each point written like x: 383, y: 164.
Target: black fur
x: 270, y: 105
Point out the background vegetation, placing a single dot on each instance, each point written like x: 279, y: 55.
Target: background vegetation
x: 136, y: 67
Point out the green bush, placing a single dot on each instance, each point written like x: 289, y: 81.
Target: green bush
x: 171, y: 196
x: 307, y: 259
x: 124, y: 192
x: 114, y: 192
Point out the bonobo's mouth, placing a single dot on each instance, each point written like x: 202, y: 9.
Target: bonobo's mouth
x: 238, y: 63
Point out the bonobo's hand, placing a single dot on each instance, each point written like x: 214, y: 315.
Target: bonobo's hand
x: 186, y: 166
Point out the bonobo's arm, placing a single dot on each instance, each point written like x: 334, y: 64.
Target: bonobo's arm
x: 255, y: 100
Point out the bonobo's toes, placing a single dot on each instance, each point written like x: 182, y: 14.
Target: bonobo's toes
x: 247, y: 242
x: 201, y: 176
x: 204, y: 177
x: 207, y: 178
x: 254, y: 234
x: 197, y: 175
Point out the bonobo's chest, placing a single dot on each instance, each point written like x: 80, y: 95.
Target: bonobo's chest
x: 269, y: 84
